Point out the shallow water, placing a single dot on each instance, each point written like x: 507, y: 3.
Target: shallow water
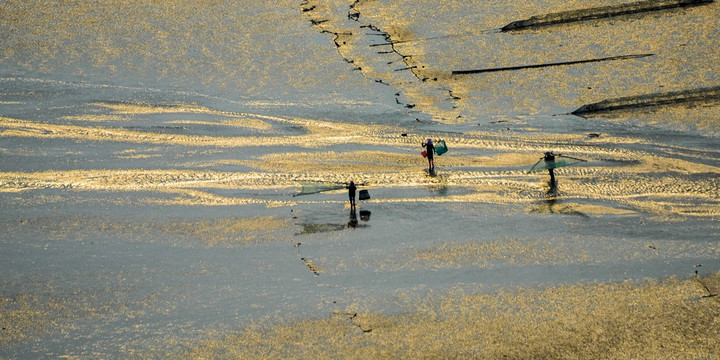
x: 149, y: 166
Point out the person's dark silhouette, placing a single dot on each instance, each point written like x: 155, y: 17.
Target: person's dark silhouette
x: 430, y: 150
x: 351, y: 194
x: 550, y: 163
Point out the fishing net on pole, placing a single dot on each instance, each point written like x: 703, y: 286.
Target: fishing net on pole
x: 314, y: 187
x: 556, y: 162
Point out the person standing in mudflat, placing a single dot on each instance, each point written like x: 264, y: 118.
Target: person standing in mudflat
x: 550, y: 163
x: 430, y: 150
x: 351, y: 194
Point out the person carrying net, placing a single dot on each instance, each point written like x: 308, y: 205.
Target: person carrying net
x: 429, y: 152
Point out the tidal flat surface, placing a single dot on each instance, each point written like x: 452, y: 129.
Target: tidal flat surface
x: 152, y: 155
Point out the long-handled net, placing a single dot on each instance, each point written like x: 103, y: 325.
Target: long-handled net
x: 314, y: 187
x: 558, y: 161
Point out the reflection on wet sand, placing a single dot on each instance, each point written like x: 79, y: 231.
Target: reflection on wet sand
x: 352, y: 223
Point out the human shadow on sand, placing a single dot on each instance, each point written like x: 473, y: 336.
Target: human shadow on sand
x: 552, y: 205
x: 352, y: 223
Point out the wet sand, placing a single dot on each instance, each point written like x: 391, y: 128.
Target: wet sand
x: 148, y: 177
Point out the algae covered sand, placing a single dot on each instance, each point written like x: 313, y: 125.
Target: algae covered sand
x: 670, y: 319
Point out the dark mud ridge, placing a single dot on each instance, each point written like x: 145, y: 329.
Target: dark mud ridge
x: 650, y: 100
x: 599, y: 13
x: 563, y: 63
x: 341, y: 39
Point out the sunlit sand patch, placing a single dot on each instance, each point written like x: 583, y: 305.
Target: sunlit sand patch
x: 423, y: 91
x: 137, y: 109
x: 673, y: 209
x: 97, y: 118
x: 662, y: 164
x: 239, y: 122
x: 135, y: 154
x: 604, y: 321
x: 536, y: 145
x: 388, y: 168
x: 590, y: 209
x: 334, y: 162
x: 633, y: 184
x: 243, y: 122
x: 236, y: 119
x: 202, y: 198
x: 682, y: 194
x: 110, y: 180
x: 319, y: 133
x: 354, y: 40
x: 190, y: 187
x: 365, y: 162
x: 129, y: 180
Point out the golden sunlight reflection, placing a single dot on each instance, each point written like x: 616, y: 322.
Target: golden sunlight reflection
x: 178, y: 173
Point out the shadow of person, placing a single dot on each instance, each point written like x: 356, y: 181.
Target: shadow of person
x: 553, y: 190
x: 353, y: 223
x: 320, y: 228
x: 552, y: 205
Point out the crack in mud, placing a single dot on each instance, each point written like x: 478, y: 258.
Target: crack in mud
x: 708, y: 285
x: 341, y: 40
x: 353, y: 318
